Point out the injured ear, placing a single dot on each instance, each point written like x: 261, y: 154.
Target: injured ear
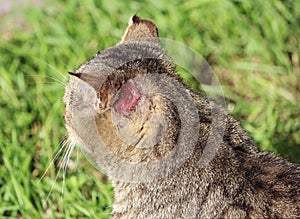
x: 92, y: 80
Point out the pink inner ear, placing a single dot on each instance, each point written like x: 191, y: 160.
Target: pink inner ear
x: 128, y: 97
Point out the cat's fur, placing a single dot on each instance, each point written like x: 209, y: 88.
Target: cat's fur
x: 238, y: 182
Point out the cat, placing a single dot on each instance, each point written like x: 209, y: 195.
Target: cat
x: 170, y: 151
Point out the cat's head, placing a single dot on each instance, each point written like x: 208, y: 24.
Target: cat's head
x: 124, y: 107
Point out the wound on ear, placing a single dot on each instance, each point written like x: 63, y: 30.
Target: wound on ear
x: 128, y: 97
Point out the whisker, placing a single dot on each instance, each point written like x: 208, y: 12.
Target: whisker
x: 77, y: 157
x: 52, y: 67
x: 65, y: 162
x: 65, y: 147
x: 61, y: 146
x: 49, y: 84
x: 60, y: 82
x: 63, y: 83
x: 55, y: 180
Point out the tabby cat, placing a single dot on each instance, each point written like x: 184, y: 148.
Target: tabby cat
x: 170, y: 151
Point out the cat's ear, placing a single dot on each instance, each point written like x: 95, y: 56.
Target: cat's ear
x: 88, y: 78
x: 139, y: 28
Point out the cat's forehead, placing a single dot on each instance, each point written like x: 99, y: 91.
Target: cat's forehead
x: 110, y: 59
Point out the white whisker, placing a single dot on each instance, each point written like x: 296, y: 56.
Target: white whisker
x: 61, y: 146
x: 53, y: 68
x: 77, y: 158
x: 61, y: 83
x: 65, y: 162
x: 53, y: 185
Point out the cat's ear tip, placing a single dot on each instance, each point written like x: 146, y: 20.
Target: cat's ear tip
x: 135, y: 18
x: 78, y: 75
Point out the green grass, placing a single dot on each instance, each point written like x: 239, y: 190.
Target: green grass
x: 253, y: 47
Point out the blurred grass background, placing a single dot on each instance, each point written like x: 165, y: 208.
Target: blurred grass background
x: 253, y: 46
